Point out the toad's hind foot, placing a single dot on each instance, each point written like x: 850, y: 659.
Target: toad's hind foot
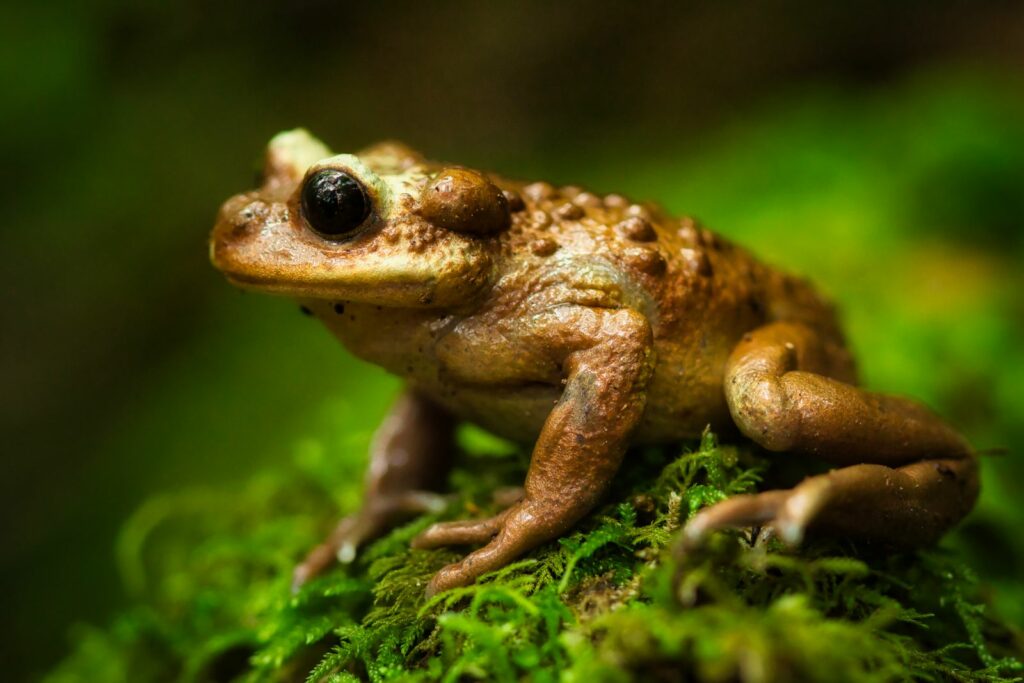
x: 907, y: 506
x: 785, y: 388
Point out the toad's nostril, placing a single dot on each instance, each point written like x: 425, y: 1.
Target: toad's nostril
x: 233, y: 207
x: 247, y: 218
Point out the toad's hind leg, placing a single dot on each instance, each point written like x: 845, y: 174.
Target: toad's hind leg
x: 911, y: 476
x: 906, y: 506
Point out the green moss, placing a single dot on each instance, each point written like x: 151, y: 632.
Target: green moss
x: 610, y: 602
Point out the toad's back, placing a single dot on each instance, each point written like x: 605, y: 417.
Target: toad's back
x: 699, y: 292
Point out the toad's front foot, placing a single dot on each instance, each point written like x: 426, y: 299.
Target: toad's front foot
x: 508, y: 534
x: 352, y: 531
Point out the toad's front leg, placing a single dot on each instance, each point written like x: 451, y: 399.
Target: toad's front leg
x: 606, y: 359
x: 409, y: 459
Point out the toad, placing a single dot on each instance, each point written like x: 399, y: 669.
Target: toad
x: 578, y: 324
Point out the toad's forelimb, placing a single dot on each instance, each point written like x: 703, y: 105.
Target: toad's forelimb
x: 607, y: 364
x: 410, y: 458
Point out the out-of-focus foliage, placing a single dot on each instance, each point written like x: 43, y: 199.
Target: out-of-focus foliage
x: 607, y: 603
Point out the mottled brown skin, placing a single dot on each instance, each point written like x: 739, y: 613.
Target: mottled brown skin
x: 579, y: 324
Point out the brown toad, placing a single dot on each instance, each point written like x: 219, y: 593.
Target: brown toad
x: 579, y: 324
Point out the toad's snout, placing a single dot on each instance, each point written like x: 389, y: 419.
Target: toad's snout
x: 247, y: 230
x: 242, y: 215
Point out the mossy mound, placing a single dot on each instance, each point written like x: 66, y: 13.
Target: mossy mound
x: 608, y: 603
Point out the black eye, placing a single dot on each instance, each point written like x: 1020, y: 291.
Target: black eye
x: 334, y: 203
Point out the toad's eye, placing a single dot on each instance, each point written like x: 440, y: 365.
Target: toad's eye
x: 334, y: 203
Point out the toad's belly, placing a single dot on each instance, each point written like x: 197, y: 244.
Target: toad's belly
x: 683, y: 397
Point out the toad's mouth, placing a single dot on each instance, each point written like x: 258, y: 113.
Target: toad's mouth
x: 371, y: 276
x: 379, y: 293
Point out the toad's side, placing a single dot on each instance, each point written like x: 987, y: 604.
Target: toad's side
x: 579, y: 324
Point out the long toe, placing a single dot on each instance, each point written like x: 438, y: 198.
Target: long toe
x: 461, y: 532
x: 733, y: 513
x: 315, y: 562
x: 448, y: 577
x: 800, y: 508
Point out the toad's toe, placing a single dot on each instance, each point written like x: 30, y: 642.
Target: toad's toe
x: 733, y: 513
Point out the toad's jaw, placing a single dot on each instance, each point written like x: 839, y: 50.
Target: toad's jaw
x: 278, y: 257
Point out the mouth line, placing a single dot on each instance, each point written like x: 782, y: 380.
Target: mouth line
x: 263, y: 284
x: 267, y: 284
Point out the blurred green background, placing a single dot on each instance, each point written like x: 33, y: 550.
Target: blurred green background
x: 878, y: 150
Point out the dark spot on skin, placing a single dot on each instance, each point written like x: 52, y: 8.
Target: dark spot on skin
x: 339, y: 308
x: 579, y: 439
x: 351, y: 317
x: 408, y: 368
x: 756, y: 306
x: 305, y: 311
x: 945, y: 470
x: 379, y: 308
